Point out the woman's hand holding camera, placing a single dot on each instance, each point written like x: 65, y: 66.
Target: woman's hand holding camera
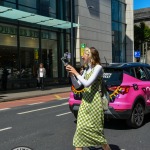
x: 71, y: 70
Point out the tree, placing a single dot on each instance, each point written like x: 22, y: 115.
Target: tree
x: 141, y: 35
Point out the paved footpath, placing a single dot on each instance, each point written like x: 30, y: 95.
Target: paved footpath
x: 20, y: 98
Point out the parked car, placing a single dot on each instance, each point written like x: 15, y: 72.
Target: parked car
x: 128, y: 85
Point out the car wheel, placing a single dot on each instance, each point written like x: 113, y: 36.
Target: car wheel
x: 137, y: 116
x: 75, y: 114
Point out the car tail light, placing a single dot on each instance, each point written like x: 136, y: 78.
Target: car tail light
x: 113, y: 88
x: 125, y: 89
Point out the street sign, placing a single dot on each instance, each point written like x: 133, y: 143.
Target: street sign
x: 137, y: 54
x: 82, y: 47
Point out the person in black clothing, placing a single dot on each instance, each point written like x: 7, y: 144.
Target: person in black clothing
x: 4, y: 79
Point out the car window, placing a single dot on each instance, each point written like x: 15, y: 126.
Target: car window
x: 140, y: 73
x: 148, y: 71
x: 130, y: 71
x: 113, y: 76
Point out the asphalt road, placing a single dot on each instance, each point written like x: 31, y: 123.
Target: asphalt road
x: 51, y: 126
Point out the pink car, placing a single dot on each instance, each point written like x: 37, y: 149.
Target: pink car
x: 128, y: 85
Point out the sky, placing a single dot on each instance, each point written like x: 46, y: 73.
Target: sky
x: 138, y: 4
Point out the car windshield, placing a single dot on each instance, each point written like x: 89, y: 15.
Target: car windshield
x: 113, y: 76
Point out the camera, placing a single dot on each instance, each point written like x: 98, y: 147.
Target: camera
x: 65, y: 58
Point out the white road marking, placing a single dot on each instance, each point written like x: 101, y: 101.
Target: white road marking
x: 63, y: 98
x: 63, y: 114
x: 4, y: 109
x: 5, y: 129
x: 35, y: 103
x: 26, y: 112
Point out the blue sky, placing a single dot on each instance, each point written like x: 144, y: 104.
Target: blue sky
x: 138, y: 4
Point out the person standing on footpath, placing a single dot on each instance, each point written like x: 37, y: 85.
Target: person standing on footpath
x: 90, y: 121
x: 41, y: 75
x: 4, y: 79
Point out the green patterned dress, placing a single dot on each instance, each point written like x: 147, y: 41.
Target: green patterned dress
x: 90, y: 120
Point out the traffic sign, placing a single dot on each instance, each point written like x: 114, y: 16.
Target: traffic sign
x: 82, y: 47
x: 137, y: 54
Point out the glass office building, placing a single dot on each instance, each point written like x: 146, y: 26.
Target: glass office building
x: 31, y: 32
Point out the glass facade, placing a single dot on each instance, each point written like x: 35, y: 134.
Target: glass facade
x: 118, y: 31
x: 24, y: 45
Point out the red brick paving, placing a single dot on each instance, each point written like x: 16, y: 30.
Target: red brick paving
x: 39, y: 99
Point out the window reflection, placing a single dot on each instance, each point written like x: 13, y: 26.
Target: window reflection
x: 29, y: 47
x: 29, y: 3
x: 8, y: 49
x: 8, y: 4
x: 118, y: 31
x: 115, y: 10
x: 8, y: 59
x: 49, y: 53
x: 48, y: 8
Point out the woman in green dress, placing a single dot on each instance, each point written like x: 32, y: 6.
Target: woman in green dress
x: 90, y: 122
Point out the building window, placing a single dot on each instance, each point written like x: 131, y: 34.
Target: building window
x: 8, y: 49
x: 115, y: 10
x: 28, y: 3
x: 49, y: 53
x: 28, y: 6
x: 8, y: 3
x: 29, y: 52
x: 118, y: 31
x: 48, y: 8
x: 67, y: 11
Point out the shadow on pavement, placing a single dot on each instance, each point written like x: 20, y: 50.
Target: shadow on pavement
x: 147, y: 119
x: 113, y: 147
x: 116, y: 124
x: 121, y: 124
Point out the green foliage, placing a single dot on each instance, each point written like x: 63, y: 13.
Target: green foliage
x: 141, y: 34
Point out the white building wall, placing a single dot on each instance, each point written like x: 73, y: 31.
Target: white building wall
x: 95, y: 29
x: 129, y: 31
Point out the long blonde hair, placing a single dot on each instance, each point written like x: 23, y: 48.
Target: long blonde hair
x: 93, y: 54
x: 95, y: 58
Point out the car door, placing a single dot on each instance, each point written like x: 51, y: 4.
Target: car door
x: 147, y: 70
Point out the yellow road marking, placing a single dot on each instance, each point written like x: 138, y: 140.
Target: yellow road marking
x: 57, y: 96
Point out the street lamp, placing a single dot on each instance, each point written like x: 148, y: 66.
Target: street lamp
x: 72, y: 41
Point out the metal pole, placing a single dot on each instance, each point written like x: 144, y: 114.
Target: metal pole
x: 143, y: 51
x: 146, y: 52
x: 72, y: 42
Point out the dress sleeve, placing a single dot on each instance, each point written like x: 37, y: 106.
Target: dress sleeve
x: 97, y: 71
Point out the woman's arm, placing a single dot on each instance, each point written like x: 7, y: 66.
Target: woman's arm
x: 75, y: 82
x: 97, y: 71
